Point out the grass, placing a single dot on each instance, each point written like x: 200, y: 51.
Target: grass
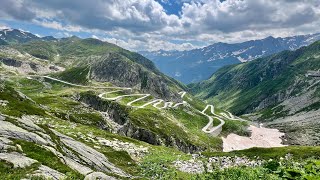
x: 298, y: 152
x: 155, y: 122
x: 120, y: 158
x: 7, y: 171
x: 260, y: 80
x: 194, y: 122
x: 194, y: 102
x: 236, y: 127
x: 76, y: 75
x: 60, y: 102
x: 47, y: 158
x: 177, y: 124
x: 143, y: 101
x: 18, y: 105
x: 314, y: 106
x: 115, y: 94
x: 128, y: 99
x: 273, y: 113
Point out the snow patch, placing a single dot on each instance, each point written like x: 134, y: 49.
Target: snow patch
x: 260, y: 137
x: 177, y: 74
x: 241, y: 59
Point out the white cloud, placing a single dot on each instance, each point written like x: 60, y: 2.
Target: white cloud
x: 58, y: 26
x: 137, y: 24
x: 3, y: 26
x: 147, y: 45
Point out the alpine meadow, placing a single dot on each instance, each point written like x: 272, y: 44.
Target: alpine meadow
x: 159, y: 89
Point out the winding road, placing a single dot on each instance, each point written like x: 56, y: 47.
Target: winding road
x: 154, y: 102
x: 77, y: 85
x: 209, y: 128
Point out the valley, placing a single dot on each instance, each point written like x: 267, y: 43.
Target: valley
x: 192, y: 66
x: 103, y: 112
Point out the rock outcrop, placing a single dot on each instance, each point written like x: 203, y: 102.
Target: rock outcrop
x: 18, y: 160
x: 10, y: 130
x: 89, y: 155
x: 46, y: 172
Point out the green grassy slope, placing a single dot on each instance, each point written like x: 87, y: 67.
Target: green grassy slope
x: 241, y: 88
x: 106, y: 62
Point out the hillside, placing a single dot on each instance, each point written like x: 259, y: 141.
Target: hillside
x: 59, y: 130
x: 77, y: 108
x: 90, y: 59
x: 280, y: 91
x: 199, y: 64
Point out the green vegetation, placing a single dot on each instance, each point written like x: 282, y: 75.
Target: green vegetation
x: 47, y: 158
x: 283, y: 169
x: 7, y: 171
x: 17, y: 104
x: 298, y: 152
x: 273, y: 112
x: 40, y: 49
x: 241, y: 88
x: 76, y: 75
x: 156, y: 122
x: 314, y: 106
x: 286, y: 163
x: 176, y: 124
x: 194, y: 102
x: 171, y: 133
x: 236, y: 127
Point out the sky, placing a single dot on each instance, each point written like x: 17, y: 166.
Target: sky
x: 151, y: 25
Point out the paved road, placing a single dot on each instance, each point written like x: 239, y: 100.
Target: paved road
x: 155, y: 102
x: 77, y: 85
x: 215, y: 131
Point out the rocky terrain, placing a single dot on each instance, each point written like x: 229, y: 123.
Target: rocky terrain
x: 24, y: 63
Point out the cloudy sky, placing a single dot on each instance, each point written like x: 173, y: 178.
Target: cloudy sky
x: 163, y: 24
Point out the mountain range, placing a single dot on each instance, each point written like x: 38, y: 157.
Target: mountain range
x: 19, y: 36
x: 199, y: 64
x: 73, y: 108
x: 57, y: 93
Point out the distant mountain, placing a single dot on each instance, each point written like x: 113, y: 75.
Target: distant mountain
x: 281, y: 91
x: 2, y: 42
x: 199, y: 64
x: 18, y: 36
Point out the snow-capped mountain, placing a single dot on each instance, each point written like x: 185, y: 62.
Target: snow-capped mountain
x: 199, y: 64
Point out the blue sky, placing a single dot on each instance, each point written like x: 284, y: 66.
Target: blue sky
x: 163, y: 24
